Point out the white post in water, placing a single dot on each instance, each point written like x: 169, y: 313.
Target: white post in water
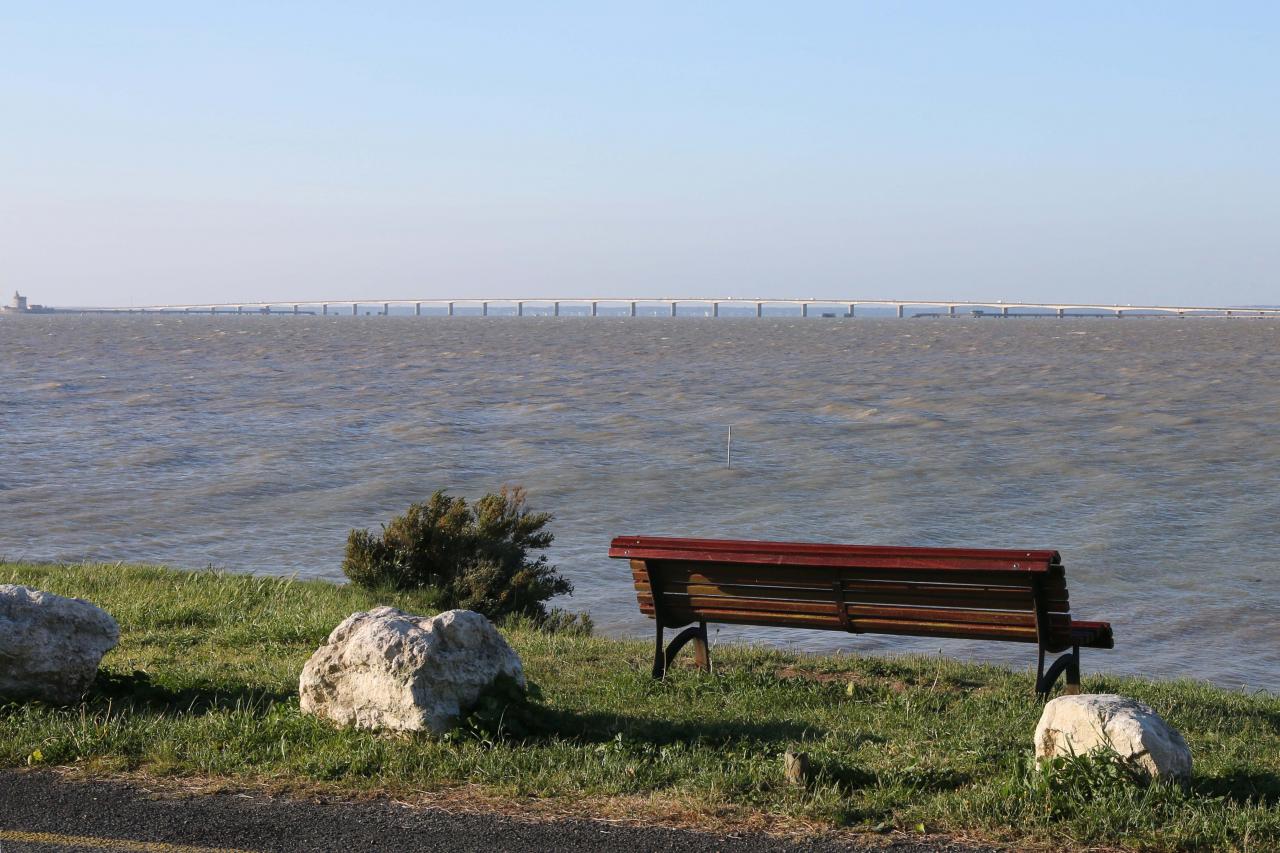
x: 728, y: 449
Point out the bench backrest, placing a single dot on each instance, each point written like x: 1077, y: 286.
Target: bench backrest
x: 988, y: 594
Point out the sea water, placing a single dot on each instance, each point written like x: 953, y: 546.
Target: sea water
x: 1147, y: 451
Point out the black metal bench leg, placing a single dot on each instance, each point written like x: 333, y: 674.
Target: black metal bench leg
x: 1068, y: 663
x: 702, y: 655
x: 1073, y: 673
x: 659, y: 656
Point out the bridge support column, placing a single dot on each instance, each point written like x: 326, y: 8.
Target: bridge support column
x: 295, y: 310
x: 1062, y: 312
x: 595, y: 308
x: 519, y: 309
x: 804, y: 309
x: 450, y: 309
x: 1004, y: 311
x: 715, y: 309
x: 1120, y: 313
x: 484, y: 309
x: 673, y: 309
x: 386, y: 309
x: 853, y: 309
x: 951, y: 310
x: 324, y: 309
x: 417, y: 309
x: 759, y: 309
x: 901, y: 311
x: 355, y: 309
x: 633, y: 309
x: 555, y: 309
x: 239, y: 309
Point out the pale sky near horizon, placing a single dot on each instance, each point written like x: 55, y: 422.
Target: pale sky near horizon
x: 169, y: 152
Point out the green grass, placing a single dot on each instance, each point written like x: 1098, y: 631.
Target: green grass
x: 204, y: 683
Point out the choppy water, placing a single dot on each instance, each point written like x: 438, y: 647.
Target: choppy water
x: 1146, y: 451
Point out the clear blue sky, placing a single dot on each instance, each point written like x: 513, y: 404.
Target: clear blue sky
x: 156, y: 152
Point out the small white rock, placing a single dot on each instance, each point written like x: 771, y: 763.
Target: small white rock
x: 1102, y: 721
x: 385, y: 669
x: 50, y: 645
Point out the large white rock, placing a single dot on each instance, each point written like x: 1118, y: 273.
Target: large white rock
x: 384, y: 669
x: 50, y: 646
x: 1102, y: 721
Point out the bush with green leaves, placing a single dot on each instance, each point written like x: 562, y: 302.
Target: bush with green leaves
x: 471, y: 556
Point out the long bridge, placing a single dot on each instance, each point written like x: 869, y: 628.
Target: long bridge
x: 676, y: 307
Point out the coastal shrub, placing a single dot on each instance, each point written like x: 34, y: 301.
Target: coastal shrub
x: 470, y: 556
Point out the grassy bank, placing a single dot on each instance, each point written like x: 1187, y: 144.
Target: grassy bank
x: 204, y: 683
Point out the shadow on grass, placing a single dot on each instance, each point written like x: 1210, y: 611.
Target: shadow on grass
x: 1241, y: 786
x: 136, y: 689
x: 605, y: 727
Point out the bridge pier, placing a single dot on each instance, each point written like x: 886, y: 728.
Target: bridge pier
x: 1062, y: 312
x: 324, y: 309
x: 417, y: 309
x: 804, y: 309
x: 555, y: 309
x: 450, y: 309
x: 386, y: 309
x: 633, y: 309
x: 673, y: 309
x: 759, y: 309
x: 715, y: 309
x: 901, y: 311
x: 951, y: 310
x: 519, y: 309
x: 355, y: 309
x: 295, y: 310
x: 1004, y: 311
x: 595, y: 308
x: 484, y: 309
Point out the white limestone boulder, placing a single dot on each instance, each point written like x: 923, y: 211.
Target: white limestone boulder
x: 50, y: 645
x: 1105, y: 721
x: 385, y: 669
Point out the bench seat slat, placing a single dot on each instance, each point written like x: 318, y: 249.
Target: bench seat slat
x: 875, y: 592
x: 952, y: 630
x: 701, y: 604
x: 822, y: 554
x: 743, y: 573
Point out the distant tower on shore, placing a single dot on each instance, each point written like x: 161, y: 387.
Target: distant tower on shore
x: 19, y: 304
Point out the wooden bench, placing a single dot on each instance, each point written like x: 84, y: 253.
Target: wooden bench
x: 964, y: 593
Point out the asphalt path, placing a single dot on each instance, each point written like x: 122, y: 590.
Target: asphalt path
x: 41, y: 811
